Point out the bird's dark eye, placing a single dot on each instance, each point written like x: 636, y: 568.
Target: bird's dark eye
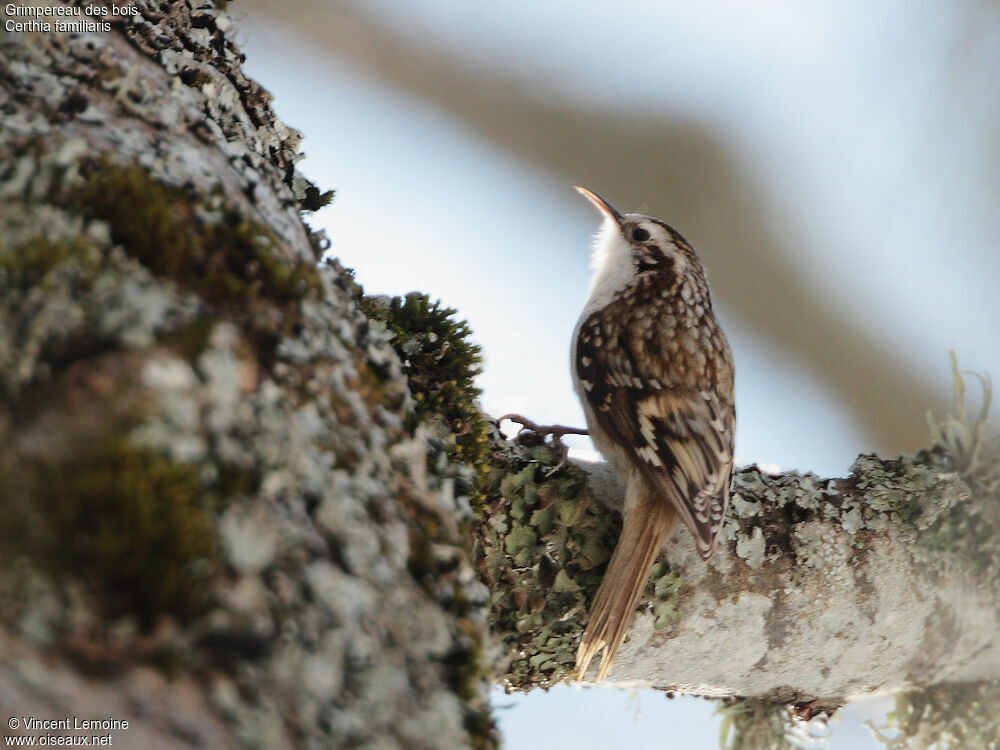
x: 639, y: 234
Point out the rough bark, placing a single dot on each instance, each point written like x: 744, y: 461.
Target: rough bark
x: 821, y: 590
x: 223, y: 522
x: 218, y: 518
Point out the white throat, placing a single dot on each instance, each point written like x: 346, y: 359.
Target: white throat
x: 611, y: 266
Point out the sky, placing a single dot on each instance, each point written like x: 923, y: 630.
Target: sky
x: 897, y: 212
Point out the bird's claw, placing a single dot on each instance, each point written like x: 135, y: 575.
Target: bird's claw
x: 556, y: 431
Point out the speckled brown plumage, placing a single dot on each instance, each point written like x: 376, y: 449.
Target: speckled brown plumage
x: 655, y: 375
x: 655, y: 358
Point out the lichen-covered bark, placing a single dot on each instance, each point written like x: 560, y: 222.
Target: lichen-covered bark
x: 218, y: 517
x: 821, y: 589
x: 224, y: 513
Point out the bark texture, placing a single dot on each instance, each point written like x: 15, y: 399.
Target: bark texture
x: 223, y: 522
x: 219, y: 519
x: 821, y: 590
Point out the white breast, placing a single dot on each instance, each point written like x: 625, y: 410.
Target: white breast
x: 611, y: 265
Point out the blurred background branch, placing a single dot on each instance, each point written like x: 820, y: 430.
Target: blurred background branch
x: 641, y: 156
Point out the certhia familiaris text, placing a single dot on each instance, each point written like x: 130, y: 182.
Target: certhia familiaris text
x: 654, y: 373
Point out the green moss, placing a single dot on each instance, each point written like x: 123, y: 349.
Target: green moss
x: 25, y: 265
x: 234, y: 260
x: 231, y: 261
x: 310, y: 197
x: 545, y: 544
x: 439, y: 358
x: 482, y: 728
x: 191, y: 339
x: 441, y: 363
x: 194, y: 77
x: 127, y: 521
x: 946, y: 717
x: 232, y: 480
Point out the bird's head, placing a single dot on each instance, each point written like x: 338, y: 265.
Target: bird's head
x: 632, y: 244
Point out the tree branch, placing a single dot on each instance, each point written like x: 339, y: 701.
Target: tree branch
x: 822, y: 589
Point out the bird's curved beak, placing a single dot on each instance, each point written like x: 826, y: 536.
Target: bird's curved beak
x: 602, y: 205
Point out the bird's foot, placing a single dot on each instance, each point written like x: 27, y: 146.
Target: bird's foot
x: 556, y: 431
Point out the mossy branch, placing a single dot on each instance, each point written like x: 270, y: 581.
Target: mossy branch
x: 811, y: 577
x: 284, y: 497
x: 823, y: 589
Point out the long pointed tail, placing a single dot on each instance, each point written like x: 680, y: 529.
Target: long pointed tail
x: 646, y: 527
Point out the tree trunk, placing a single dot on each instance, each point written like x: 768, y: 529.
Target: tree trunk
x: 218, y: 520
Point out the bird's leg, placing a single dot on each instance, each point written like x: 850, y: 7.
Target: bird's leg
x: 555, y: 430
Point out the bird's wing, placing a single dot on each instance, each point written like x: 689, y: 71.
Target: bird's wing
x: 681, y: 437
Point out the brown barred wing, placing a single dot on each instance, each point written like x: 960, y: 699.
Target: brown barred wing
x: 680, y: 438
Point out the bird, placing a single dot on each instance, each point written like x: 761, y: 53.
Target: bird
x: 654, y: 374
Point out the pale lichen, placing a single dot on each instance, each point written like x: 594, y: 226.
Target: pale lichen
x: 813, y: 577
x: 545, y: 541
x: 751, y: 548
x: 750, y: 724
x: 248, y: 472
x: 945, y: 717
x: 543, y: 561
